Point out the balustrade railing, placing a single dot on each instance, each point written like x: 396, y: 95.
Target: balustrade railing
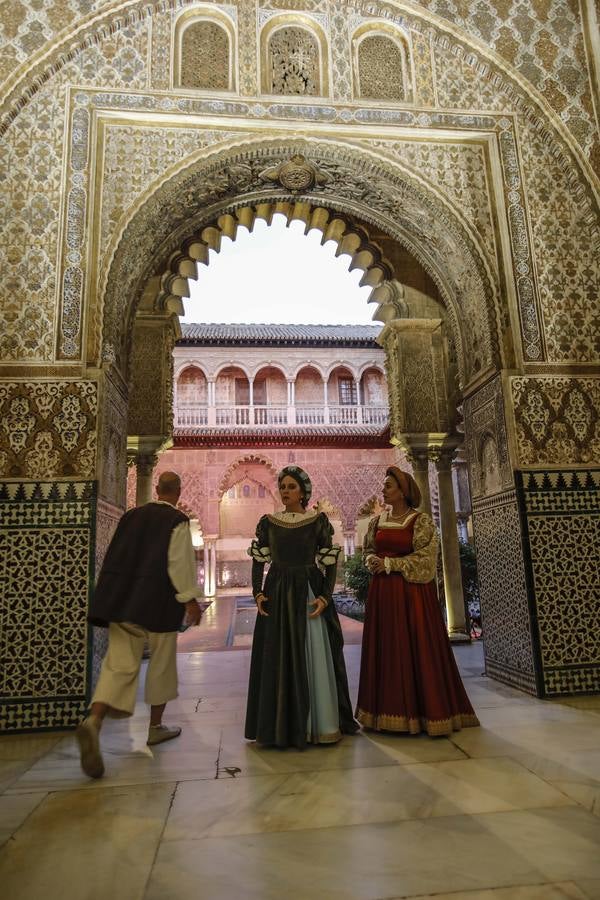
x: 233, y: 415
x: 270, y: 415
x: 310, y: 415
x: 273, y: 416
x: 191, y: 416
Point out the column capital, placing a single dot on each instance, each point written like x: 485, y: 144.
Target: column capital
x: 443, y: 458
x: 146, y: 463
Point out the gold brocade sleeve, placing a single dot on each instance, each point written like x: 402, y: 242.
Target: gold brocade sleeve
x: 369, y: 541
x: 420, y: 565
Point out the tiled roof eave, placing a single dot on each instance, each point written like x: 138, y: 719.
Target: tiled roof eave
x: 349, y: 436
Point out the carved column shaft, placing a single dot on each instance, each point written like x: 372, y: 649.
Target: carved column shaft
x: 455, y: 604
x: 145, y: 464
x: 420, y: 464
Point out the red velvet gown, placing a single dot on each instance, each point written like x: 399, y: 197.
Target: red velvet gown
x: 409, y: 681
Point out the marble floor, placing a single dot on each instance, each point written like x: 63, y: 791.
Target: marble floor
x: 510, y: 811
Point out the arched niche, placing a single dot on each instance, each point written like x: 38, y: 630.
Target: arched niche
x: 382, y: 63
x: 294, y: 57
x: 204, y: 50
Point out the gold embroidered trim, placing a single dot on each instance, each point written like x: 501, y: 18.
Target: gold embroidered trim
x: 283, y: 524
x: 433, y: 727
x: 386, y: 522
x: 332, y: 738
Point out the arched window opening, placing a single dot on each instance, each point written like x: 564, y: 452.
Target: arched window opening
x: 382, y: 68
x: 191, y: 398
x: 204, y: 53
x: 294, y: 63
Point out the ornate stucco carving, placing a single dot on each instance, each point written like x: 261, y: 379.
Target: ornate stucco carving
x: 295, y: 174
x: 357, y: 183
x: 49, y: 429
x: 557, y: 420
x: 486, y: 439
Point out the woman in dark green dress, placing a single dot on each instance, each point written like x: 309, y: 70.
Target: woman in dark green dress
x: 298, y: 691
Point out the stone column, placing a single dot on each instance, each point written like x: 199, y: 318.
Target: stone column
x: 359, y: 408
x: 349, y: 543
x: 212, y: 393
x: 206, y: 555
x: 145, y: 463
x: 420, y: 463
x: 325, y: 403
x: 210, y: 567
x: 291, y: 412
x: 455, y: 604
x: 213, y: 567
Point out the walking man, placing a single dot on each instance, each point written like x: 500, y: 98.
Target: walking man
x: 146, y: 586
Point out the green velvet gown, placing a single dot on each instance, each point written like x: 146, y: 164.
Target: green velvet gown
x: 298, y: 690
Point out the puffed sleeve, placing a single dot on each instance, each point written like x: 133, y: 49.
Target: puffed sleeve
x: 260, y: 553
x: 327, y: 555
x: 420, y: 565
x: 369, y: 548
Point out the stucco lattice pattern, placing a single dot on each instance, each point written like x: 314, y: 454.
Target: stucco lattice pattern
x: 567, y: 264
x: 133, y: 155
x: 543, y: 40
x: 380, y: 69
x: 50, y: 429
x: 563, y: 521
x: 46, y: 541
x: 31, y: 197
x: 557, y: 420
x: 205, y: 57
x: 459, y: 172
x: 487, y: 441
x: 501, y: 569
x: 294, y: 63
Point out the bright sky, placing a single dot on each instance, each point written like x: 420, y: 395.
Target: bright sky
x: 278, y: 275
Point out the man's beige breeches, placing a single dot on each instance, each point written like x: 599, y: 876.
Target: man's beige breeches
x: 117, y: 684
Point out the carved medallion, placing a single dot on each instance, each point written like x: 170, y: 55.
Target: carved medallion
x: 297, y: 174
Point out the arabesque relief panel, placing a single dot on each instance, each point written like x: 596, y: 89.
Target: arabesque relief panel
x: 33, y: 186
x: 566, y: 258
x: 49, y: 429
x: 557, y: 420
x: 486, y: 439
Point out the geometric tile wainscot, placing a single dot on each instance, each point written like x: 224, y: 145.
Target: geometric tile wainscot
x: 561, y: 517
x: 47, y: 537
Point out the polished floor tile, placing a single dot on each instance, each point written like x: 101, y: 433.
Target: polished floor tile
x: 564, y: 891
x: 328, y: 799
x: 508, y: 811
x: 365, y: 861
x: 86, y: 845
x: 14, y: 810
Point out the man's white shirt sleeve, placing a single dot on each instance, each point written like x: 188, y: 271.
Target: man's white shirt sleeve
x: 182, y: 564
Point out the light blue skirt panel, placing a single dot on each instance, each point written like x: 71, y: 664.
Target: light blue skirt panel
x: 323, y: 726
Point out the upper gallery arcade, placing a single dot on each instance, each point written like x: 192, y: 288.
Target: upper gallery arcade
x: 452, y: 153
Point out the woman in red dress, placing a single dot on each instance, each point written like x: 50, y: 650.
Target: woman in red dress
x: 409, y: 681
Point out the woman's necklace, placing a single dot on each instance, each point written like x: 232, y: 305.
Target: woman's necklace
x: 401, y: 518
